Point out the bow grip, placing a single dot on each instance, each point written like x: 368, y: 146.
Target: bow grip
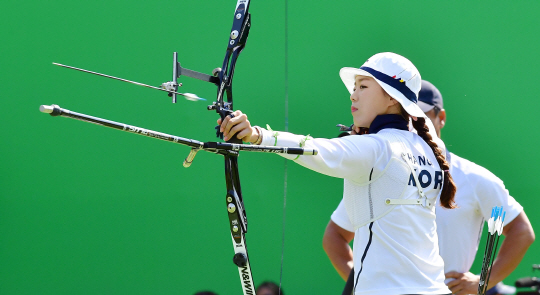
x: 224, y: 113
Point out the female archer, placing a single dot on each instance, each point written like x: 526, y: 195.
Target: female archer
x: 392, y: 176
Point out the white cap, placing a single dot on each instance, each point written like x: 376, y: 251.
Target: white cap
x: 395, y: 74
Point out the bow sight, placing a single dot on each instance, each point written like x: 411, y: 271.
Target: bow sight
x: 222, y: 78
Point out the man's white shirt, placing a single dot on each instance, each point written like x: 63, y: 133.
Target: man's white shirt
x: 460, y: 229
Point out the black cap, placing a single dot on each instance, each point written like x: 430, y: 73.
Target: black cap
x: 429, y: 97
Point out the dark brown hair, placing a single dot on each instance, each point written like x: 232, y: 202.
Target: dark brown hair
x: 449, y: 187
x: 275, y: 289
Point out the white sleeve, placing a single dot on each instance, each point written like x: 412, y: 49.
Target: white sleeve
x: 350, y: 157
x: 491, y: 192
x: 341, y: 218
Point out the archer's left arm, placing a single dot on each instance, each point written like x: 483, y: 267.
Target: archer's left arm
x: 352, y: 157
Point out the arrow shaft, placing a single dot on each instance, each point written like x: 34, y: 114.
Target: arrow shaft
x: 116, y: 78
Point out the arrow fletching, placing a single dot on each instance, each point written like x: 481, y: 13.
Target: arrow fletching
x: 193, y: 97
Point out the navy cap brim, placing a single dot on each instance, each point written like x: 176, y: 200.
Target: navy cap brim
x: 425, y: 107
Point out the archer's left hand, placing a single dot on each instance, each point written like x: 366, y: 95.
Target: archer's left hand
x: 463, y: 283
x: 239, y: 125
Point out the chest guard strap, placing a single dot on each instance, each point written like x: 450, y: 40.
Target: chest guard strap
x: 368, y: 201
x: 423, y: 200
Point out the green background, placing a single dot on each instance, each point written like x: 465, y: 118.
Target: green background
x: 92, y: 210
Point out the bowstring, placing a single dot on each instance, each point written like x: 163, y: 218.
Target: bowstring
x: 286, y: 82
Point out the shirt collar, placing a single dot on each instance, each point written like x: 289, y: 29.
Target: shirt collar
x: 388, y: 121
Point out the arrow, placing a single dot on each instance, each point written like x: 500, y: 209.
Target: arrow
x: 165, y: 86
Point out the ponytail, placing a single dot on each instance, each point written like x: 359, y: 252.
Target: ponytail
x: 449, y: 187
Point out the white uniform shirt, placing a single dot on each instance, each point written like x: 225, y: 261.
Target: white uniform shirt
x: 459, y: 230
x: 398, y: 253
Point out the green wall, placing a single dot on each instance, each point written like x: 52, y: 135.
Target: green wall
x: 91, y: 210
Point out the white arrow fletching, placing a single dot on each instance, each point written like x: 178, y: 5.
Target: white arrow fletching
x: 499, y: 226
x: 491, y: 225
x: 192, y: 97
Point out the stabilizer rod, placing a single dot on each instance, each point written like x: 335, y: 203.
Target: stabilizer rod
x: 214, y: 147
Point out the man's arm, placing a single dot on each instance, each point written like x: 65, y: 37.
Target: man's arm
x: 336, y: 245
x: 519, y: 235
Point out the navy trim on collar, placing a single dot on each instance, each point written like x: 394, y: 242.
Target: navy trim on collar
x: 394, y: 82
x: 388, y: 121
